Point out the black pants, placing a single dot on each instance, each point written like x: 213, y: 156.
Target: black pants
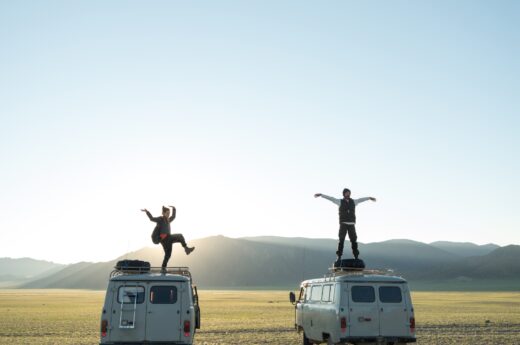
x: 167, y: 244
x: 351, y: 230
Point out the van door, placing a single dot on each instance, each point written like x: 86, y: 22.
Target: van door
x: 393, y: 312
x: 127, y: 322
x: 363, y: 316
x: 312, y: 317
x: 163, y: 322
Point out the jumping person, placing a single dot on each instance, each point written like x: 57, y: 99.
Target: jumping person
x: 167, y: 239
x: 347, y: 219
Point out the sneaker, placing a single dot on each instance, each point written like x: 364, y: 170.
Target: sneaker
x: 163, y: 270
x: 188, y: 250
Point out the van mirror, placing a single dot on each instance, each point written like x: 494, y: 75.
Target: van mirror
x: 292, y: 297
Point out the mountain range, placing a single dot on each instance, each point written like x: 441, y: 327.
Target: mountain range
x: 278, y: 262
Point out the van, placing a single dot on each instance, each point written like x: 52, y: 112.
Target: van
x: 355, y: 308
x: 147, y: 305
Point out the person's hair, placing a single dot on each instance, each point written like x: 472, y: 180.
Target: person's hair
x: 345, y: 190
x: 165, y: 209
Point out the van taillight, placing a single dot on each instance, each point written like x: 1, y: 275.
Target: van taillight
x: 412, y: 324
x: 104, y: 327
x: 343, y: 324
x: 187, y: 328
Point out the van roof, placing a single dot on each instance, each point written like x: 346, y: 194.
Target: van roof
x: 151, y: 277
x: 354, y: 278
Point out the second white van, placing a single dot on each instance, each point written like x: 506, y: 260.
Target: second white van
x: 355, y: 308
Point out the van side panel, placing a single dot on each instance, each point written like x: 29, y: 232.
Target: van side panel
x: 106, y: 314
x: 188, y: 313
x: 310, y: 311
x: 327, y: 315
x: 343, y: 302
x: 409, y: 310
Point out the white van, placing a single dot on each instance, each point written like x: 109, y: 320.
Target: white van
x: 150, y: 306
x: 355, y: 308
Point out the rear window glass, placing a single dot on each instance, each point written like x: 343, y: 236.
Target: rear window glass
x: 316, y: 293
x: 390, y: 294
x: 363, y: 294
x: 163, y: 295
x: 130, y: 294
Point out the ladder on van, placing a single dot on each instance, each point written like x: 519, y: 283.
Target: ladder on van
x: 128, y: 310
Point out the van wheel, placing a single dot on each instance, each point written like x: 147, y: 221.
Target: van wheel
x: 306, y: 340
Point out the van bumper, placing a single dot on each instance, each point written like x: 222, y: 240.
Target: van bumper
x: 378, y: 339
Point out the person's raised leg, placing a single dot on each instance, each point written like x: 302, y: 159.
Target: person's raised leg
x: 179, y: 238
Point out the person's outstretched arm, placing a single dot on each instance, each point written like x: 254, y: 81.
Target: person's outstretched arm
x: 360, y: 200
x: 153, y: 219
x: 331, y: 199
x: 174, y: 213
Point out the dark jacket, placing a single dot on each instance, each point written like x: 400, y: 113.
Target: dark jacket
x: 347, y: 211
x: 163, y: 224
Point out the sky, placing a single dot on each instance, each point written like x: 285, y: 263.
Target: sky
x: 237, y: 112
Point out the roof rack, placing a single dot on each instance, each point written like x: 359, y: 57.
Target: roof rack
x: 334, y: 271
x: 184, y: 271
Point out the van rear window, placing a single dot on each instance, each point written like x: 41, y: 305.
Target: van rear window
x: 163, y: 295
x: 390, y: 294
x: 129, y: 294
x: 363, y: 294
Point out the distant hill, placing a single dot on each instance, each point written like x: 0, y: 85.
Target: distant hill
x: 274, y: 262
x: 465, y: 249
x: 501, y: 263
x: 83, y: 275
x: 14, y: 271
x: 26, y: 267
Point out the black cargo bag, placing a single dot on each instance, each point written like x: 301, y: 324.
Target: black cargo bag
x: 133, y: 266
x: 353, y: 264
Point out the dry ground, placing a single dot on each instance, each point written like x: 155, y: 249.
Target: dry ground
x: 254, y: 317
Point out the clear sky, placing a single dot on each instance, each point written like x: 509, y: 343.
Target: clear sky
x: 237, y: 112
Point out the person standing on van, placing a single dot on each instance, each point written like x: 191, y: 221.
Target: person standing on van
x: 347, y: 219
x: 166, y: 238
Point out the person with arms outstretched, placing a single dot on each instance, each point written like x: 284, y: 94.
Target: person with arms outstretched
x: 166, y: 238
x: 347, y: 219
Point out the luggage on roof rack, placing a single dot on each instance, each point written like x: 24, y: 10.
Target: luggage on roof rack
x: 133, y: 265
x: 349, y: 265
